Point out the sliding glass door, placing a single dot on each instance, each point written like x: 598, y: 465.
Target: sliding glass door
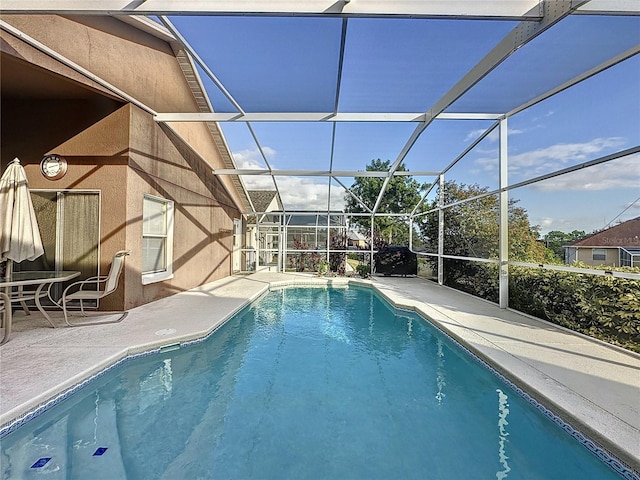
x: 69, y: 223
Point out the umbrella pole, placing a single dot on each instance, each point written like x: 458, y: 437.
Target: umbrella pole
x: 8, y: 267
x: 8, y: 271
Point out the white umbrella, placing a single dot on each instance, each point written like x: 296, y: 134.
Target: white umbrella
x: 20, y: 237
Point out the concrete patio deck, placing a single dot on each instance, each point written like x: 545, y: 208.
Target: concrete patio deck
x: 592, y: 385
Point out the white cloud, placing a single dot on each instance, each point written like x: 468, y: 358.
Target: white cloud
x: 621, y: 173
x: 298, y: 193
x: 556, y: 157
x: 541, y: 117
x: 493, y: 136
x: 545, y: 222
x: 633, y: 207
x: 301, y: 193
x: 473, y: 134
x: 549, y: 224
x: 253, y: 158
x: 258, y: 182
x: 488, y: 164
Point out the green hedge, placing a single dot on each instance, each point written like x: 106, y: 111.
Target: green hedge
x: 604, y: 307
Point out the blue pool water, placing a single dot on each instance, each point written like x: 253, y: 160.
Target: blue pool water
x: 307, y: 383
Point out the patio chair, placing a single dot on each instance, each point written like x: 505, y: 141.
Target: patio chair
x: 110, y: 282
x: 5, y: 312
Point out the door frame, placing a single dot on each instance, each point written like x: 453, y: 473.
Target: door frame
x: 59, y: 239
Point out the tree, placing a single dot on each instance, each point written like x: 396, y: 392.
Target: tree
x: 556, y: 240
x: 471, y: 229
x: 401, y: 195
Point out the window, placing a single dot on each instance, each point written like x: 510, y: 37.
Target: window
x: 599, y: 254
x: 157, y: 239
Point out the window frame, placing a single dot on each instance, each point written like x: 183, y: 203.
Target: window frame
x: 167, y: 273
x: 599, y: 254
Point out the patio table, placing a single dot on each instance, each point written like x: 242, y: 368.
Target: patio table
x: 40, y: 279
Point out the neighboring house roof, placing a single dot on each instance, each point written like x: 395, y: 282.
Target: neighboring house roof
x: 626, y: 234
x: 262, y: 199
x: 353, y: 235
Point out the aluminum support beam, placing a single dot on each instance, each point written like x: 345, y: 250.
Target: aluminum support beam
x: 421, y: 201
x: 353, y: 195
x: 588, y: 271
x: 471, y: 147
x: 496, y: 9
x: 336, y: 103
x: 316, y: 117
x: 403, y: 153
x: 457, y: 159
x: 607, y: 158
x: 331, y: 156
x: 266, y: 162
x: 519, y: 36
x: 371, y: 246
x: 194, y: 55
x: 544, y: 266
x: 282, y: 240
x: 441, y: 230
x: 504, y: 218
x: 324, y: 212
x: 468, y: 116
x: 411, y: 233
x: 343, y: 45
x: 583, y: 76
x: 327, y: 257
x: 320, y: 173
x: 611, y: 7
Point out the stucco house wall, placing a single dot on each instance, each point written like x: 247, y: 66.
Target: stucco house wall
x: 203, y: 226
x: 117, y: 148
x: 585, y: 255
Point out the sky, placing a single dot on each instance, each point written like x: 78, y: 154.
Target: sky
x: 271, y: 64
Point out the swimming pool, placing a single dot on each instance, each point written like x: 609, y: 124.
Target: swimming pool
x: 306, y: 383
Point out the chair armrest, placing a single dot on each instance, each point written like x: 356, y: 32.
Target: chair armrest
x: 80, y: 283
x: 94, y: 280
x: 99, y: 278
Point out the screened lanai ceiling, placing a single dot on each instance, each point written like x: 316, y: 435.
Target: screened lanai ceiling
x: 308, y: 93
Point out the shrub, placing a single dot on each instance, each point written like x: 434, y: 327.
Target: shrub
x: 363, y: 270
x: 602, y: 306
x: 322, y: 267
x: 303, y: 261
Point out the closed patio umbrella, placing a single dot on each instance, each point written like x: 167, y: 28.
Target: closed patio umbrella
x: 20, y: 237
